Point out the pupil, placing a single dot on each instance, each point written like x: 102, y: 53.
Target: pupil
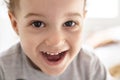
x: 37, y: 24
x: 70, y: 23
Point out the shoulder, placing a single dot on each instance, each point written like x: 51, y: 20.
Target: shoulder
x: 86, y: 55
x: 11, y: 55
x: 1, y: 71
x: 91, y: 63
x: 10, y: 61
x: 11, y: 52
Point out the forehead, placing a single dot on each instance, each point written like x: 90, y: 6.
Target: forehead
x: 51, y: 3
x: 51, y: 6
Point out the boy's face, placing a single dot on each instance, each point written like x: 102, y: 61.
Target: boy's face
x: 50, y: 32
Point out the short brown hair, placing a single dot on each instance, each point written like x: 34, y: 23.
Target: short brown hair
x: 14, y: 4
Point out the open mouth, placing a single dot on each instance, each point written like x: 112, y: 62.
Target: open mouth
x: 54, y: 57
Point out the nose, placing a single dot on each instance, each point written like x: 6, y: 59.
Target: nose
x: 55, y: 39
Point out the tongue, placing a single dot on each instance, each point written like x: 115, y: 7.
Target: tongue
x: 52, y: 57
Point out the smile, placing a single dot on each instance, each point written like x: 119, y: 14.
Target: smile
x: 53, y: 58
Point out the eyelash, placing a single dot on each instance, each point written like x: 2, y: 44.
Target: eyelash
x: 70, y: 23
x: 40, y: 24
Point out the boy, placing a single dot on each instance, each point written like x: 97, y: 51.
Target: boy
x: 50, y: 45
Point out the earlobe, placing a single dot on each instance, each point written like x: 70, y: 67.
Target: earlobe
x: 13, y: 22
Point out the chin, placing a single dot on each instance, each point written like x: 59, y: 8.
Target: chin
x: 55, y: 73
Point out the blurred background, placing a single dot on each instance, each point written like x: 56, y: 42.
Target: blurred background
x: 102, y: 31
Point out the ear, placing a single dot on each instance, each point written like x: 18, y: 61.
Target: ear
x: 13, y: 22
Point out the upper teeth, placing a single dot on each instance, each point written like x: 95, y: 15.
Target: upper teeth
x: 51, y: 53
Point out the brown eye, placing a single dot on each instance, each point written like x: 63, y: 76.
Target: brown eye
x: 69, y: 24
x: 38, y: 24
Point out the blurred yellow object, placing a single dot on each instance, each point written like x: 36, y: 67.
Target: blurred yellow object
x: 104, y: 37
x: 115, y: 71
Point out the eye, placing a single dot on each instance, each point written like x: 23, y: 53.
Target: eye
x: 38, y: 24
x: 69, y: 24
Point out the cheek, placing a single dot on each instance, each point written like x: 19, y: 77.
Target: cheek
x: 29, y: 47
x: 28, y: 41
x: 76, y: 38
x: 75, y: 41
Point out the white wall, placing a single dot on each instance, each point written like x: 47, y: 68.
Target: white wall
x: 94, y: 23
x: 7, y: 35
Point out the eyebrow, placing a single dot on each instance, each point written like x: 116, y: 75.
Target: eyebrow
x: 40, y: 15
x: 33, y: 14
x: 73, y: 14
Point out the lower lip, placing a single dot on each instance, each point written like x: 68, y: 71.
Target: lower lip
x: 54, y: 63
